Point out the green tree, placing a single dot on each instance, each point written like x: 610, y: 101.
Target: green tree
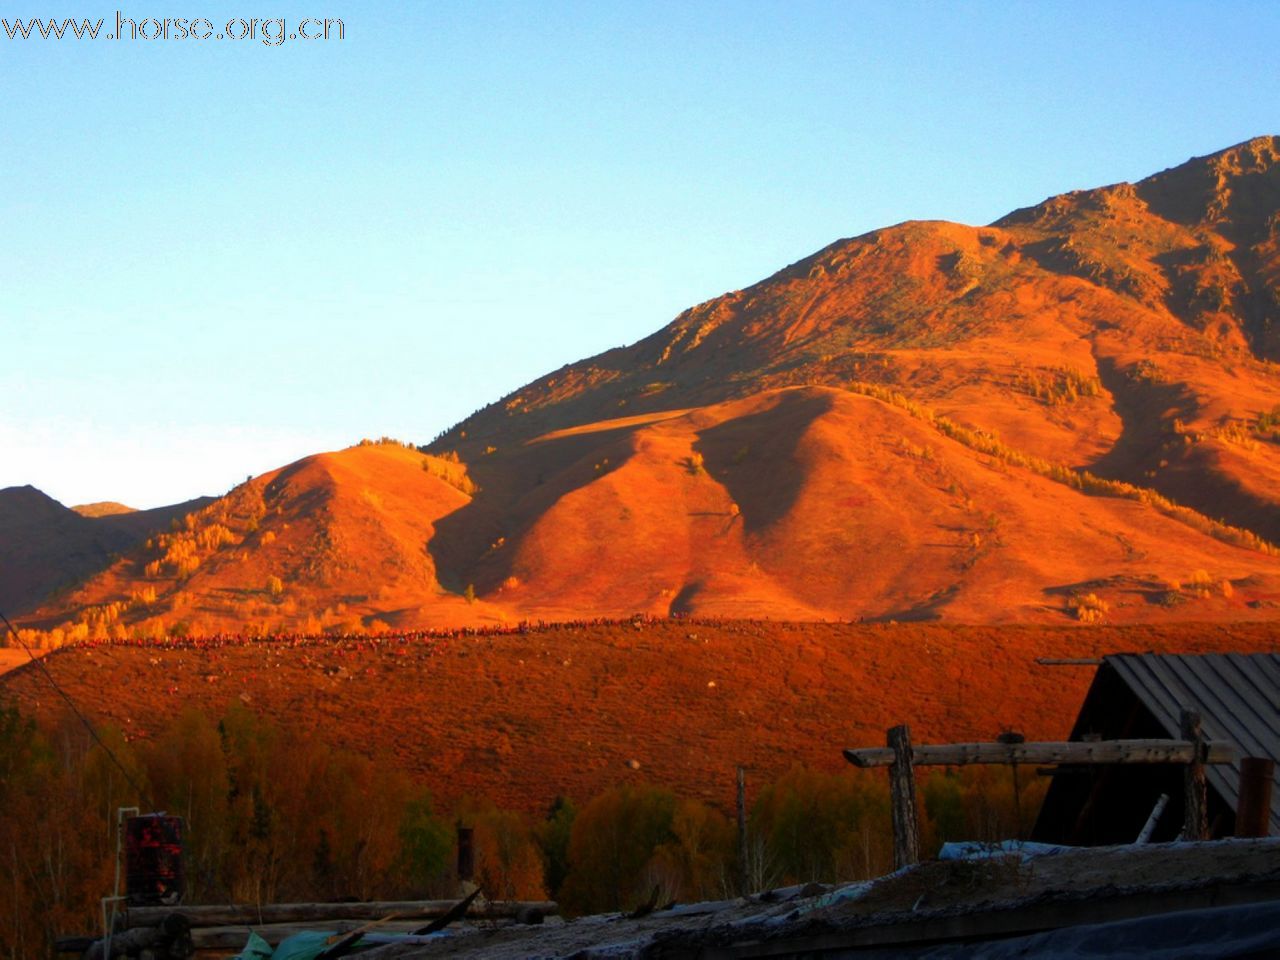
x: 188, y: 770
x: 611, y: 843
x: 426, y: 843
x: 820, y: 826
x: 248, y: 743
x: 553, y: 838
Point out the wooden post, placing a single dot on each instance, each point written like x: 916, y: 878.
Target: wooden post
x: 1013, y: 738
x: 1253, y: 811
x: 466, y: 854
x: 744, y: 871
x: 902, y: 788
x: 1195, y: 825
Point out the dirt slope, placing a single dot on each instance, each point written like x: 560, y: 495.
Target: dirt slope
x: 523, y: 716
x: 1131, y: 329
x: 330, y: 539
x: 795, y: 504
x: 811, y: 503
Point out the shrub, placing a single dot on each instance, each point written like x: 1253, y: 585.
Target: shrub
x: 1200, y: 582
x: 451, y: 470
x: 1059, y: 385
x: 1089, y: 607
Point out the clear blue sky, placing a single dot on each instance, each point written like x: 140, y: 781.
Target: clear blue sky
x: 217, y: 257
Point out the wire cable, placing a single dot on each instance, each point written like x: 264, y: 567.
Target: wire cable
x: 39, y: 662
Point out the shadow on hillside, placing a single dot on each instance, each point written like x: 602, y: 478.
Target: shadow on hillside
x: 1146, y: 408
x: 516, y: 488
x: 1147, y: 443
x: 754, y: 457
x: 929, y: 609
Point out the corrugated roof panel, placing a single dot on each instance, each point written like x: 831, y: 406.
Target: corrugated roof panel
x: 1237, y: 696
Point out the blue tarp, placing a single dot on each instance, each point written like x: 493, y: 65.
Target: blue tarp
x: 309, y: 944
x: 975, y: 850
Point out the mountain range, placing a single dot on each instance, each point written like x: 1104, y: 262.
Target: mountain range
x: 1069, y: 415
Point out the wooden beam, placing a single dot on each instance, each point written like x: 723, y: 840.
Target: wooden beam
x: 902, y: 789
x: 1195, y: 825
x: 1253, y: 811
x: 225, y: 915
x: 1049, y: 752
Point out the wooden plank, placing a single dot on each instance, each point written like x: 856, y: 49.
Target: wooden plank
x: 1049, y: 752
x: 220, y: 915
x: 456, y: 912
x: 902, y: 789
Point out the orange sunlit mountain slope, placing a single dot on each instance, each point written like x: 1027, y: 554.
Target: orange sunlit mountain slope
x: 1069, y: 415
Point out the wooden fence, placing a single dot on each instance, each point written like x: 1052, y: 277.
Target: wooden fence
x: 1193, y: 751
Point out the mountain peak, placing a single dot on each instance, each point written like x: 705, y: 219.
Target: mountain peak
x: 1250, y: 156
x: 1240, y: 184
x: 27, y: 503
x: 102, y: 508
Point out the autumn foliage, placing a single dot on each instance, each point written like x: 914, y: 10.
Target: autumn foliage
x: 273, y: 818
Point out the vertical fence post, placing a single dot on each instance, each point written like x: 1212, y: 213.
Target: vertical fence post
x: 1012, y: 738
x: 902, y: 789
x: 1253, y: 812
x: 744, y: 876
x: 1195, y: 824
x: 466, y: 853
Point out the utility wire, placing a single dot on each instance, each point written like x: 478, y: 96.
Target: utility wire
x: 39, y: 662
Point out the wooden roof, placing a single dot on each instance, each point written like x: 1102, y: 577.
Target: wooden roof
x: 1237, y: 696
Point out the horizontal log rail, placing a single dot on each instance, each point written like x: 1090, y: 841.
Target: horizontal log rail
x: 226, y: 915
x: 1049, y: 752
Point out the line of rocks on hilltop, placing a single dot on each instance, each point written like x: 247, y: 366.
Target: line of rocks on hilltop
x: 401, y: 637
